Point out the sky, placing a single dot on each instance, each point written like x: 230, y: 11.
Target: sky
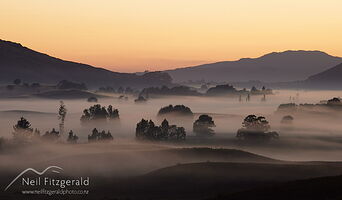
x: 139, y: 35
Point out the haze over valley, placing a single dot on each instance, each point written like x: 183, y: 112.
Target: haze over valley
x: 170, y: 100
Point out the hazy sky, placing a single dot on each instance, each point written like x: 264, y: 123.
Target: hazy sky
x: 134, y: 35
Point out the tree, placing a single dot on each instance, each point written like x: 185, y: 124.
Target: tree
x: 254, y: 89
x: 288, y: 119
x: 72, y: 138
x: 112, y: 113
x: 65, y: 84
x: 147, y: 130
x: 219, y: 90
x: 334, y: 101
x: 52, y: 135
x: 97, y: 136
x: 252, y: 122
x: 140, y: 99
x: 62, y: 111
x: 177, y: 109
x: 99, y: 113
x: 23, y: 130
x: 17, y: 81
x: 255, y: 127
x: 202, y: 126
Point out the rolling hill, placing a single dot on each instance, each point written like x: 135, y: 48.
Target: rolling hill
x: 274, y: 67
x: 17, y: 61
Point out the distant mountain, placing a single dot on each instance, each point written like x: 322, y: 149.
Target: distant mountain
x: 328, y: 79
x: 20, y: 62
x: 273, y: 67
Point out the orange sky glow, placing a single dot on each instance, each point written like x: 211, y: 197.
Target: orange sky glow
x: 138, y: 35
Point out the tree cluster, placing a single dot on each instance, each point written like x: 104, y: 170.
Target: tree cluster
x: 177, y: 109
x: 263, y: 91
x: 72, y: 138
x: 23, y: 130
x: 98, y: 136
x: 334, y: 101
x: 222, y: 90
x: 147, y: 130
x: 52, y: 135
x: 98, y: 112
x: 24, y: 133
x: 202, y: 126
x: 256, y: 127
x: 65, y: 84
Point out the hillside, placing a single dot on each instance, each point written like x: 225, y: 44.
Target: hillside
x: 17, y: 61
x: 307, y: 189
x: 330, y: 79
x: 273, y: 67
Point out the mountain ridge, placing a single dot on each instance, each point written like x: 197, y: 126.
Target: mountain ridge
x: 18, y: 61
x: 290, y: 65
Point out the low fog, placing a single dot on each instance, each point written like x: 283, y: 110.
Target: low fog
x: 308, y: 138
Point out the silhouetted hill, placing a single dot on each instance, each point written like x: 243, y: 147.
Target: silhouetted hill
x: 330, y: 78
x: 273, y: 67
x: 20, y: 62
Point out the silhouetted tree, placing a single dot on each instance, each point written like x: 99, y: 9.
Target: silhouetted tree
x: 62, y: 111
x: 177, y: 109
x: 202, y: 126
x: 52, y: 135
x: 252, y: 122
x: 97, y: 136
x: 23, y: 130
x: 140, y: 99
x: 112, y: 113
x: 147, y: 130
x: 219, y: 90
x: 97, y: 112
x: 65, y: 84
x: 288, y: 119
x: 254, y: 127
x: 254, y: 89
x: 334, y: 101
x: 72, y: 138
